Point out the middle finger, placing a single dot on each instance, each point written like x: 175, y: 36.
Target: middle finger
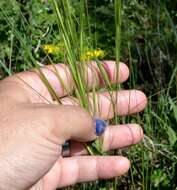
x: 106, y: 105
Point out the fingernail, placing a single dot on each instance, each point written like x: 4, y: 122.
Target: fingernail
x: 100, y: 126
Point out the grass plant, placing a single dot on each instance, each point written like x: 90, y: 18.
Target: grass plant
x: 154, y: 161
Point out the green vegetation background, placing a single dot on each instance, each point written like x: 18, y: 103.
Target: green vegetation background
x: 148, y: 47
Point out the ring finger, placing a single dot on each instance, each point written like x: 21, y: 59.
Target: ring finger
x: 114, y: 137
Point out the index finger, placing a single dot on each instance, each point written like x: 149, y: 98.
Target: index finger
x: 60, y: 78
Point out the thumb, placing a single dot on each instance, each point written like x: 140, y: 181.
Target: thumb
x: 70, y: 122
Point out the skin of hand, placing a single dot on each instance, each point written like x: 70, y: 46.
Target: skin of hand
x: 32, y: 130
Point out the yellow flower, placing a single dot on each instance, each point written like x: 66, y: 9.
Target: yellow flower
x: 51, y: 49
x: 93, y: 54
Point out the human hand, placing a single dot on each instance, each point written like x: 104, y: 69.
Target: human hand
x: 32, y: 131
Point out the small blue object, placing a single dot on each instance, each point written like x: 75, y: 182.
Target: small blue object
x: 100, y: 126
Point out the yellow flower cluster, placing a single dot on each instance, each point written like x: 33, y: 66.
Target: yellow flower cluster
x: 51, y: 49
x: 93, y: 54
